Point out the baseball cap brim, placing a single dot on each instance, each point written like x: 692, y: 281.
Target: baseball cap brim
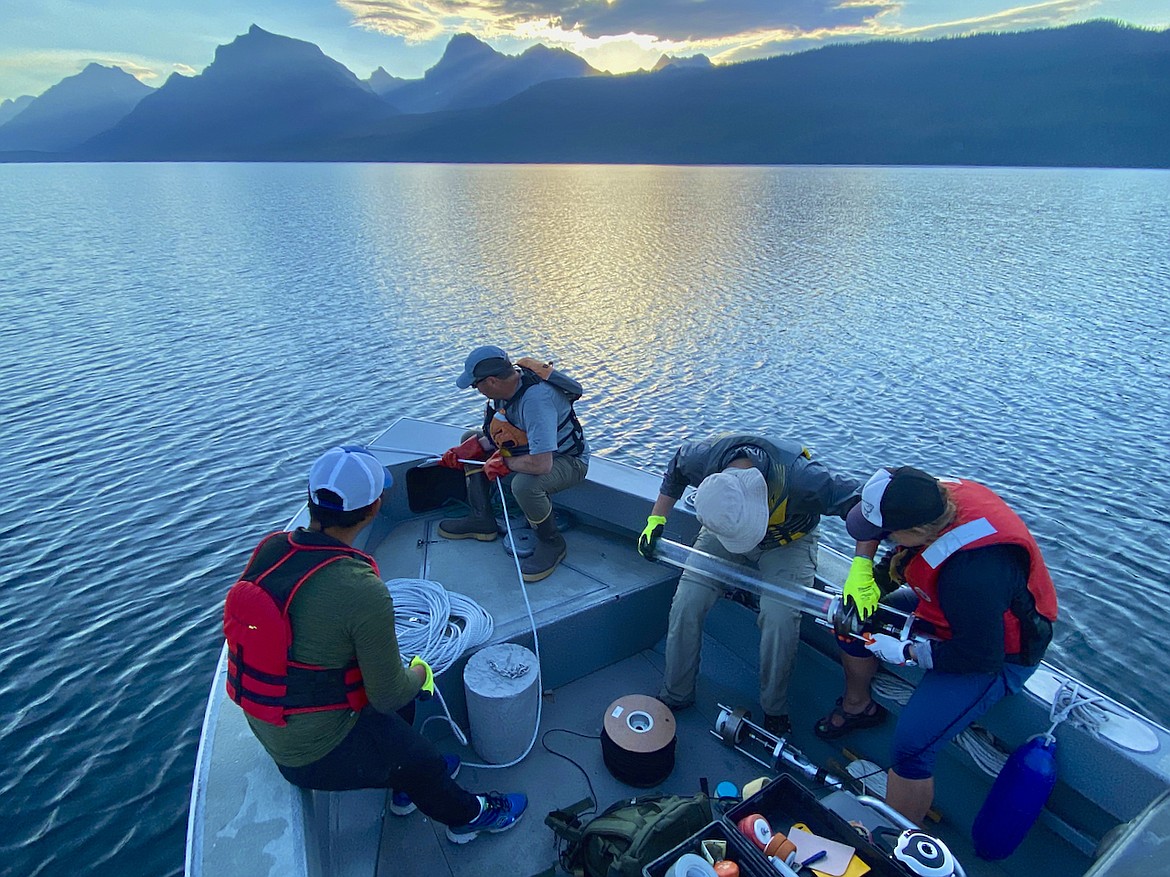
x: 475, y: 358
x: 861, y: 528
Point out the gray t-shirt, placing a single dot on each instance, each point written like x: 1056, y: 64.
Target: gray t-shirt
x: 538, y: 413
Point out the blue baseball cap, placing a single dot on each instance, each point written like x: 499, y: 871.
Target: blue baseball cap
x: 482, y: 362
x: 351, y: 472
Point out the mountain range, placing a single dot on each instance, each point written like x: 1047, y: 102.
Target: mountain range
x: 1094, y: 94
x: 72, y: 111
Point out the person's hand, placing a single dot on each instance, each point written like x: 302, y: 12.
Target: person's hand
x: 888, y: 648
x: 861, y: 588
x: 469, y: 450
x: 495, y: 467
x: 650, y: 535
x: 428, y: 687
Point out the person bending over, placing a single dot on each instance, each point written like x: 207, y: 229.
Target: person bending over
x: 964, y: 562
x: 759, y: 502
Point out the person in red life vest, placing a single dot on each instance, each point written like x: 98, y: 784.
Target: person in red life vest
x: 964, y: 562
x: 534, y: 439
x: 314, y: 661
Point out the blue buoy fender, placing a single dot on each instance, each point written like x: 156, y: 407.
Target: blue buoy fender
x: 1016, y: 798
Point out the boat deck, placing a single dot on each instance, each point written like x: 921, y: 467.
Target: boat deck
x: 602, y: 619
x: 581, y: 681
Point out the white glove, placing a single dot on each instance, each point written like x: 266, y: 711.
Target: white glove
x: 889, y: 648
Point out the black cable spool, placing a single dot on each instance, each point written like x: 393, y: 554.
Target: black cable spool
x: 638, y: 740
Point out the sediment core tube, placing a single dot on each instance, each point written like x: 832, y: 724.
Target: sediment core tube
x: 734, y: 575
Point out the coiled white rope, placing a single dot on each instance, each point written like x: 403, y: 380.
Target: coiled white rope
x: 440, y: 626
x: 1081, y: 708
x: 437, y: 624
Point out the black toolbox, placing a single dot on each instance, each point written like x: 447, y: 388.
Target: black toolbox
x: 783, y: 802
x: 739, y: 850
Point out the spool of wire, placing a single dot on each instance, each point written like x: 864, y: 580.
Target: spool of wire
x: 638, y: 740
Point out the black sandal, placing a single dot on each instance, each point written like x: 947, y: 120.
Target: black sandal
x: 874, y: 714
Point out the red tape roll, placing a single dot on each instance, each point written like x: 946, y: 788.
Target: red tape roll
x: 756, y: 829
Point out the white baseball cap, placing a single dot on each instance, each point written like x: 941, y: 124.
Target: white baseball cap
x: 733, y: 505
x: 353, y: 473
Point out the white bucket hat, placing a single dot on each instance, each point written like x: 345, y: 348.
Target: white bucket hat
x: 733, y: 505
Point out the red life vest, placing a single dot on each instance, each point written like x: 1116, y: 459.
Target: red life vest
x: 983, y: 519
x: 262, y: 676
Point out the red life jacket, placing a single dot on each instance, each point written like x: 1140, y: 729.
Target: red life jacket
x: 983, y: 519
x: 262, y: 676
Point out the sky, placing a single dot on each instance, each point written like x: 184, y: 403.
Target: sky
x: 43, y: 41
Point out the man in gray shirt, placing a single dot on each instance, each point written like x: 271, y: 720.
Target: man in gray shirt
x: 533, y: 434
x: 759, y: 502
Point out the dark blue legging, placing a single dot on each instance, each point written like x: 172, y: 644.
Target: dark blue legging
x: 385, y: 751
x: 942, y: 706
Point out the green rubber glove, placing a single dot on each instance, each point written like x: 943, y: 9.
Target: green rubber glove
x: 654, y: 527
x: 428, y: 687
x: 861, y: 588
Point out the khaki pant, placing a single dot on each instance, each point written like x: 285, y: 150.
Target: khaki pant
x: 532, y: 491
x: 790, y: 565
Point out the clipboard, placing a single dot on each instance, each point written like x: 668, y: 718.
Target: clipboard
x: 839, y: 860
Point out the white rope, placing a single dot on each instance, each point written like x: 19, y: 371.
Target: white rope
x: 436, y: 624
x: 979, y: 743
x: 1081, y: 709
x: 430, y: 627
x: 535, y: 639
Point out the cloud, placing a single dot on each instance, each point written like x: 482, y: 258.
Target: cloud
x: 669, y: 20
x: 888, y: 25
x: 621, y: 35
x: 35, y: 72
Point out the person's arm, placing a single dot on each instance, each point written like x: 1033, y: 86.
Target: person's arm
x: 867, y: 549
x: 389, y: 685
x: 663, y: 505
x: 815, y: 490
x: 531, y: 464
x: 682, y: 471
x: 974, y: 590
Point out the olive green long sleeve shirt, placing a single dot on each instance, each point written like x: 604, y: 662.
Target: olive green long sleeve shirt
x: 342, y: 612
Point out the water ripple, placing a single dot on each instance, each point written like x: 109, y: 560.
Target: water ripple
x: 170, y: 373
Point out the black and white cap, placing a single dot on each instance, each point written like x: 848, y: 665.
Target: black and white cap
x: 895, y: 499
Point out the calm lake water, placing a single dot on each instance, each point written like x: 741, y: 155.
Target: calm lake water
x: 181, y: 341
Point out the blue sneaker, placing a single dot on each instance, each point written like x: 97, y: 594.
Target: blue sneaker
x: 400, y: 803
x: 500, y: 813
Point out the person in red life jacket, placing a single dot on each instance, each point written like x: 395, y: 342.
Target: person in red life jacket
x: 967, y: 564
x: 534, y: 439
x: 759, y: 501
x: 314, y: 661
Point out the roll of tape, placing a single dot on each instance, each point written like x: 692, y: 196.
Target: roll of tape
x: 637, y: 740
x: 756, y: 829
x: 690, y: 865
x: 780, y: 847
x: 639, y: 723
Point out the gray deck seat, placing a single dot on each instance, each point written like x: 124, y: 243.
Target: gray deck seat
x: 344, y: 830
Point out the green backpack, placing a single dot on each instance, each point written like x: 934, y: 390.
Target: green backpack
x: 628, y: 835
